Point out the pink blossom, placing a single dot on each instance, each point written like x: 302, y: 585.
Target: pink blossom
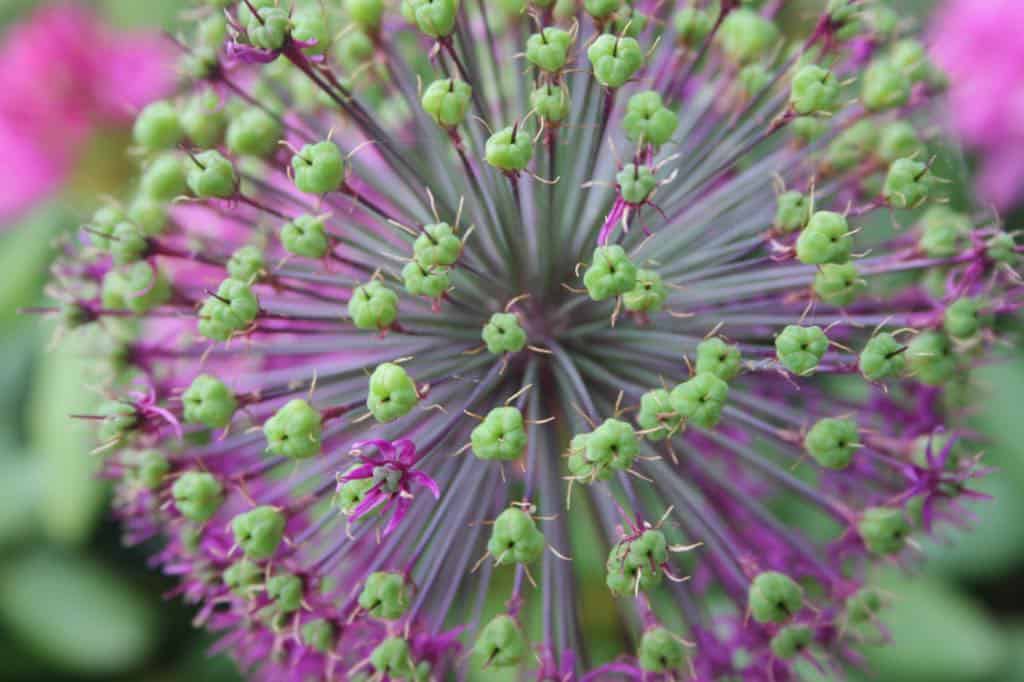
x: 64, y: 75
x: 975, y: 42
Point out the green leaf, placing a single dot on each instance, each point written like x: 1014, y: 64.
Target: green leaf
x: 25, y: 255
x: 76, y: 615
x: 19, y: 488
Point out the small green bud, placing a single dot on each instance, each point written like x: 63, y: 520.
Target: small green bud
x: 158, y: 127
x: 884, y: 86
x: 504, y: 334
x: 601, y: 9
x: 373, y: 306
x: 197, y: 495
x: 246, y: 264
x: 254, y: 132
x: 700, y: 399
x: 294, y: 431
x: 510, y: 149
x: 863, y: 606
x: 943, y: 232
x: 753, y: 78
x: 204, y: 120
x: 212, y: 31
x: 500, y: 435
x: 656, y: 415
x: 636, y: 183
x: 693, y: 25
x: 319, y: 168
x: 807, y: 129
x: 310, y: 24
x: 610, y: 274
x: 800, y: 349
x: 259, y: 531
x: 447, y: 100
x: 745, y: 35
x: 930, y: 358
x: 244, y: 578
x: 613, y: 444
x: 648, y: 295
x: 907, y: 184
x: 549, y: 49
x: 305, y: 236
x: 435, y: 18
x: 832, y: 442
x: 501, y: 643
x: 102, y: 225
x: 883, y: 356
x: 792, y: 211
x: 628, y: 21
x: 285, y: 590
x: 826, y: 239
x: 899, y: 140
x: 128, y: 244
x: 437, y: 245
x: 883, y: 530
x: 421, y: 280
x: 615, y: 59
x: 964, y: 317
x: 211, y: 175
x: 515, y: 538
x: 648, y: 120
x: 353, y: 49
x: 551, y: 102
x: 634, y: 565
x: 269, y: 30
x: 844, y: 16
x: 774, y: 597
x: 838, y: 284
x: 209, y: 401
x: 1001, y: 248
x: 392, y: 392
x: 791, y: 641
x: 910, y: 57
x: 385, y: 595
x: 319, y: 635
x: 853, y: 145
x: 366, y: 13
x: 139, y: 287
x: 149, y: 468
x: 661, y: 651
x: 814, y: 90
x: 149, y: 215
x: 120, y: 420
x: 715, y: 356
x: 231, y: 310
x: 164, y: 178
x: 352, y: 493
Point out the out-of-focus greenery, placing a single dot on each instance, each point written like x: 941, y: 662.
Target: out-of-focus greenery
x: 77, y: 605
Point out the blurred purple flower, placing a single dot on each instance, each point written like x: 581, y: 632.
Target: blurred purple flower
x: 976, y: 44
x: 65, y: 74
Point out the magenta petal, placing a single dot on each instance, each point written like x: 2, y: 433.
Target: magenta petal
x: 373, y: 499
x: 385, y: 447
x: 425, y: 481
x: 401, y: 508
x: 365, y: 471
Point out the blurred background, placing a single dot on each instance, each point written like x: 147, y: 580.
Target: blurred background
x: 77, y: 605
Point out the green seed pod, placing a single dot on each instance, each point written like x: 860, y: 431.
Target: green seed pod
x: 212, y: 176
x: 883, y: 356
x: 295, y: 430
x: 838, y: 284
x: 610, y: 274
x: 149, y: 215
x: 863, y: 605
x: 693, y: 25
x: 102, y: 225
x: 601, y: 9
x: 700, y: 399
x: 853, y: 145
x: 1001, y: 248
x: 790, y: 641
x: 628, y: 21
x: 510, y: 149
x: 943, y: 232
x: 807, y: 129
x: 310, y: 24
x: 656, y: 415
x: 352, y: 493
x: 128, y: 244
x: 615, y: 60
x: 212, y: 31
x: 259, y: 531
x: 385, y: 595
x: 149, y: 469
x: 826, y: 239
x: 636, y: 183
x: 551, y: 102
x: 231, y: 310
x: 200, y: 64
x: 911, y: 57
x: 285, y: 590
x: 504, y: 334
x: 832, y: 442
x: 373, y: 306
x: 435, y: 18
x: 815, y: 90
x: 269, y: 30
x: 197, y: 495
x: 421, y: 280
x: 139, y: 287
x: 800, y: 349
x: 244, y: 578
x: 319, y: 168
x: 164, y: 178
x: 635, y: 565
x: 305, y: 236
x: 907, y: 184
x: 884, y: 86
x: 209, y: 401
x: 661, y: 651
x: 501, y: 643
x: 930, y: 358
x: 158, y: 127
x: 648, y: 120
x: 774, y: 597
x: 254, y: 132
x: 884, y: 530
x: 548, y: 50
x: 246, y: 264
x: 753, y: 78
x: 612, y: 445
x: 792, y: 211
x: 648, y: 295
x: 366, y: 13
x: 965, y: 317
x: 204, y: 119
x: 119, y: 423
x: 319, y: 635
x: 447, y: 100
x: 745, y: 35
x: 392, y: 392
x: 437, y: 245
x: 899, y: 140
x: 515, y: 538
x: 353, y: 49
x: 500, y: 435
x: 715, y: 356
